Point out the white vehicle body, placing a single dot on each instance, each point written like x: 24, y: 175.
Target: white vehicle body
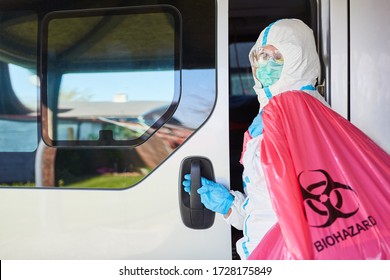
x: 144, y: 221
x: 364, y: 65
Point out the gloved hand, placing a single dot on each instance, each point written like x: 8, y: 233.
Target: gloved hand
x: 256, y: 128
x: 187, y: 183
x: 214, y: 196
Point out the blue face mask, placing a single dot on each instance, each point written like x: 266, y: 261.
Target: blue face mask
x: 269, y: 73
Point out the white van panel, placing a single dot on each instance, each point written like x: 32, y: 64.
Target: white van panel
x: 367, y: 103
x: 142, y: 222
x: 339, y: 56
x: 370, y: 68
x: 60, y: 224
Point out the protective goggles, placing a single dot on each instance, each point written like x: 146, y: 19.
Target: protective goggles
x: 261, y: 56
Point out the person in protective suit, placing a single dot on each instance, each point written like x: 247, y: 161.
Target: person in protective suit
x: 283, y: 58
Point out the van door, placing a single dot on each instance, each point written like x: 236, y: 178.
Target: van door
x: 104, y: 106
x: 358, y: 37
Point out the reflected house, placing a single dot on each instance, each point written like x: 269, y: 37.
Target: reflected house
x: 84, y: 120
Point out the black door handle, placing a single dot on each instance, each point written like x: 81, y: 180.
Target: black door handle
x: 193, y: 213
x: 195, y: 203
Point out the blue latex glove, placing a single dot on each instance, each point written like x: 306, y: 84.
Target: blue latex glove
x: 256, y: 128
x: 214, y: 196
x: 187, y: 183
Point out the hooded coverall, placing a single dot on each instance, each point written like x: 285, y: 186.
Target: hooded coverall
x: 252, y: 210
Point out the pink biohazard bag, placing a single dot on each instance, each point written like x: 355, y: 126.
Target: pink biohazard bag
x: 329, y: 184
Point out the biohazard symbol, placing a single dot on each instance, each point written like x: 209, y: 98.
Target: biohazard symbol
x: 330, y: 200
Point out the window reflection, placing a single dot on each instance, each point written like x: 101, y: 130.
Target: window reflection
x: 241, y: 79
x: 114, y: 80
x: 126, y: 103
x: 124, y: 167
x: 25, y: 83
x: 18, y: 113
x: 86, y: 52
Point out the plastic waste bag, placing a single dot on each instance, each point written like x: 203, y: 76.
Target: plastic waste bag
x: 329, y: 184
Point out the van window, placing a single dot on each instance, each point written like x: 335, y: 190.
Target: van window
x: 19, y: 129
x: 115, y: 81
x: 25, y: 84
x: 116, y: 101
x: 241, y: 79
x: 19, y: 89
x: 121, y: 89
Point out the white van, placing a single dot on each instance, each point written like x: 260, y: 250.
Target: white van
x: 104, y: 105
